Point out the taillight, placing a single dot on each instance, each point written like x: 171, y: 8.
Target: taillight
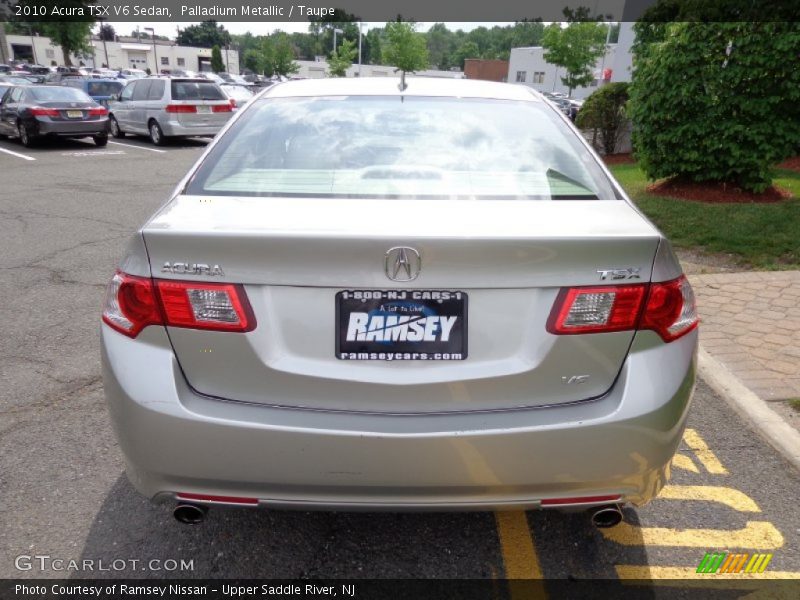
x: 667, y: 308
x: 222, y: 107
x: 233, y: 103
x: 671, y: 309
x: 39, y: 111
x: 132, y: 303
x: 215, y: 306
x: 596, y: 309
x: 181, y: 108
x: 99, y: 111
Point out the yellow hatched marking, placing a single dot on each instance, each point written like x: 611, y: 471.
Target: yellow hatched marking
x: 677, y: 576
x: 756, y: 535
x: 733, y: 498
x: 703, y: 452
x: 681, y: 461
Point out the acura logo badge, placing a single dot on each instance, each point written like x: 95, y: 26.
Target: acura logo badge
x: 402, y: 263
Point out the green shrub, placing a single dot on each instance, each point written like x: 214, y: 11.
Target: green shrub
x: 716, y: 101
x: 604, y: 113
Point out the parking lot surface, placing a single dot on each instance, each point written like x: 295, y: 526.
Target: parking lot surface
x: 66, y: 209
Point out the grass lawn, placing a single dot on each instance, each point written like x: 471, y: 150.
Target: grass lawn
x: 762, y: 236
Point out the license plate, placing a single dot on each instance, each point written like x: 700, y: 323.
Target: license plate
x: 75, y: 114
x: 203, y: 110
x: 401, y: 325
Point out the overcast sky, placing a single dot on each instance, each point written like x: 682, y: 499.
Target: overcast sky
x: 169, y: 29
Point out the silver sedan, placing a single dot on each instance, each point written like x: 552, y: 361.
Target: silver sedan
x: 435, y: 298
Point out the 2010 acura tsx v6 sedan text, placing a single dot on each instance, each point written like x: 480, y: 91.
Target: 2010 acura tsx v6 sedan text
x: 368, y: 297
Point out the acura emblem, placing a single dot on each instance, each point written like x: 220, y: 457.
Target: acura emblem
x: 402, y: 263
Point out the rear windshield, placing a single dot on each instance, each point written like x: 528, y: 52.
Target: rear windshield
x: 196, y: 90
x: 104, y: 88
x: 47, y: 93
x: 393, y: 147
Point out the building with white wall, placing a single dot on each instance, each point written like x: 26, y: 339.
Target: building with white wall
x: 318, y: 69
x: 125, y: 53
x: 528, y: 66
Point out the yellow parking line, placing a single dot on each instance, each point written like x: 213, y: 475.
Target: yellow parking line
x: 710, y: 493
x: 703, y: 452
x: 681, y: 461
x: 678, y: 575
x: 516, y: 542
x: 756, y: 535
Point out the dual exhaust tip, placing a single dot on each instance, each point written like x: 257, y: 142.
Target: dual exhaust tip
x: 603, y: 517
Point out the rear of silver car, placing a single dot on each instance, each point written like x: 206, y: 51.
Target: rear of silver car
x: 331, y: 314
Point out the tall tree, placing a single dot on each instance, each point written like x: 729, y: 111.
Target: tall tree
x: 205, y: 35
x: 278, y: 55
x: 576, y: 48
x: 72, y: 36
x: 216, y: 60
x: 107, y: 33
x: 405, y: 48
x: 342, y: 58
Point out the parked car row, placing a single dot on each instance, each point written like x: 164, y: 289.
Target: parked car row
x: 158, y: 107
x: 568, y: 106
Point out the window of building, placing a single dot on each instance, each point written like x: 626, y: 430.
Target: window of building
x: 538, y: 77
x: 521, y: 75
x: 165, y: 60
x: 50, y: 53
x: 181, y: 62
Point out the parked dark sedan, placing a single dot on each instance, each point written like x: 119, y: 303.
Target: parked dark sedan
x: 32, y: 112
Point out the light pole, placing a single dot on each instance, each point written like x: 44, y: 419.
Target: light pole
x: 335, y: 31
x: 155, y: 52
x: 359, y: 48
x: 105, y: 48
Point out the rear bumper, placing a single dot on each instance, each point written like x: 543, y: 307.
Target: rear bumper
x: 72, y: 128
x: 175, y: 440
x: 175, y: 129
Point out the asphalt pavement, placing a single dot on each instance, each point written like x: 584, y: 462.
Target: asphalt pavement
x: 64, y: 220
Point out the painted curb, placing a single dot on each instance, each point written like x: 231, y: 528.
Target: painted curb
x: 755, y: 412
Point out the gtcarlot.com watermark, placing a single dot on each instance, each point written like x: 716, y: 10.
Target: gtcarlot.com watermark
x: 45, y: 562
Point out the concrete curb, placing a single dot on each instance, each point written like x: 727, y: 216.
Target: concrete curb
x: 757, y: 413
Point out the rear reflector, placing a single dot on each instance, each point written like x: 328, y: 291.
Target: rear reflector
x: 39, y: 111
x: 206, y: 498
x: 133, y: 303
x: 580, y: 500
x: 667, y: 308
x: 181, y: 108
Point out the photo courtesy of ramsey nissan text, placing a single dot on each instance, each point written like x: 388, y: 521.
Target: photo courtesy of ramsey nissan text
x: 399, y: 299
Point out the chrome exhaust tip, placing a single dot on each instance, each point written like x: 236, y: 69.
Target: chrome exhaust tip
x: 190, y: 514
x: 606, y: 516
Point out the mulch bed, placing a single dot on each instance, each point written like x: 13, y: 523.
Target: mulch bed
x: 618, y: 159
x: 715, y: 193
x: 793, y: 164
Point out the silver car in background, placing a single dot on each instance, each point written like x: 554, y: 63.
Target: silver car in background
x: 165, y: 107
x: 365, y: 298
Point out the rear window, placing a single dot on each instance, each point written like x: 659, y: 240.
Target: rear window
x: 392, y: 147
x: 104, y: 88
x: 196, y: 90
x: 47, y: 93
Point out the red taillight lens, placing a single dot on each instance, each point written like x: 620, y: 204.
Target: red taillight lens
x: 38, y: 111
x: 667, y: 308
x: 130, y: 304
x: 222, y: 107
x: 671, y: 309
x: 596, y: 309
x: 133, y: 303
x: 215, y: 306
x: 233, y: 103
x: 99, y: 111
x: 181, y: 108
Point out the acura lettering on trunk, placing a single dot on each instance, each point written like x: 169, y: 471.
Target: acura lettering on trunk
x: 433, y: 298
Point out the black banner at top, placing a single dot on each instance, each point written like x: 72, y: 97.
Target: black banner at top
x: 408, y: 10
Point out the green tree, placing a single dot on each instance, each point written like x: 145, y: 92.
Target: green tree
x: 405, y: 48
x: 468, y: 49
x: 604, y: 114
x: 716, y: 102
x: 106, y: 32
x: 205, y: 35
x: 576, y: 49
x: 342, y: 59
x: 72, y: 36
x: 253, y: 60
x: 278, y: 55
x: 216, y: 60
